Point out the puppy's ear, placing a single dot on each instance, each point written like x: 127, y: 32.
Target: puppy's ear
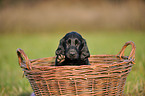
x: 60, y: 50
x: 84, y: 51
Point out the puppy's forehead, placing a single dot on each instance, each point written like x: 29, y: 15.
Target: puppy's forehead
x: 73, y: 35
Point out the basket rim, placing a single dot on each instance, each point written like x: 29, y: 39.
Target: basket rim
x: 26, y: 63
x: 126, y: 60
x: 91, y: 56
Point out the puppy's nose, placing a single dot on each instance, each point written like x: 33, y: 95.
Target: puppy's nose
x: 72, y: 53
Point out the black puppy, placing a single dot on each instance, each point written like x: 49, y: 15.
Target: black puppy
x: 72, y: 50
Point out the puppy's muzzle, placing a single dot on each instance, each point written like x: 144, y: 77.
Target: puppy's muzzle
x: 72, y: 53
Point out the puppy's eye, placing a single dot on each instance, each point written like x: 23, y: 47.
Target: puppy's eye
x: 76, y: 42
x: 69, y: 41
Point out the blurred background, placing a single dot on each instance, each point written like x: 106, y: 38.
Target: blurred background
x: 36, y: 26
x: 55, y: 15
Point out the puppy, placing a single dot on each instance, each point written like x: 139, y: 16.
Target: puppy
x: 72, y: 50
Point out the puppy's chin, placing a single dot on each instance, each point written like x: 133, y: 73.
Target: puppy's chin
x: 72, y: 57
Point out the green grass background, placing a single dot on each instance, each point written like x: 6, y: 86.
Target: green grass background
x: 44, y: 45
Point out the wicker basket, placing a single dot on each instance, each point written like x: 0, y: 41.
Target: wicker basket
x: 105, y: 76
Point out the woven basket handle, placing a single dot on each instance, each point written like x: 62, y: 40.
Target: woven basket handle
x: 132, y: 54
x: 23, y: 63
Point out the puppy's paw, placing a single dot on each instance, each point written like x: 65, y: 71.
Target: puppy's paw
x: 60, y: 58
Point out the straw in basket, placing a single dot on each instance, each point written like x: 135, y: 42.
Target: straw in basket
x: 105, y: 76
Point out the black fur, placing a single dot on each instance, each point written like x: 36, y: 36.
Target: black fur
x: 72, y: 50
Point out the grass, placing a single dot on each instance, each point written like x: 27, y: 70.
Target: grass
x: 38, y: 46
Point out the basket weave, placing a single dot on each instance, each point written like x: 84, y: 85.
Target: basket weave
x: 105, y: 76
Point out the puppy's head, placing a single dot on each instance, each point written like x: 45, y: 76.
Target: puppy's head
x: 73, y: 46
